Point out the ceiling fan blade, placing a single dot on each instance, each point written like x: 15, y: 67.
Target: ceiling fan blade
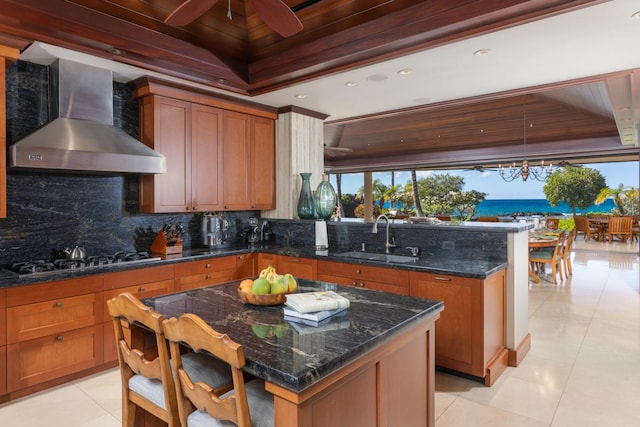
x: 188, y: 11
x: 277, y: 15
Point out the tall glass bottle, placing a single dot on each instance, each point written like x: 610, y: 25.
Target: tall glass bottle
x: 325, y: 199
x: 306, y: 204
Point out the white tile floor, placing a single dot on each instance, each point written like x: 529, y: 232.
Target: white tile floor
x: 583, y: 368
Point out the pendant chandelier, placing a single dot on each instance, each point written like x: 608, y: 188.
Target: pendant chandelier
x: 513, y: 171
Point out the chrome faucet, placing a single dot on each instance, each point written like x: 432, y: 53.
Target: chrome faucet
x: 388, y: 243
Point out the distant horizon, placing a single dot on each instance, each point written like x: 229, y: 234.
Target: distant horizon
x: 490, y: 182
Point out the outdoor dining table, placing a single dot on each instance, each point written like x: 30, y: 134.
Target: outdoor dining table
x: 601, y: 224
x: 539, y: 241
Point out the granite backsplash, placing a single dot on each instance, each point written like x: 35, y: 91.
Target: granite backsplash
x: 47, y: 212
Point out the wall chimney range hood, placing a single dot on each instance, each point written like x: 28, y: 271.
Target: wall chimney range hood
x: 81, y: 137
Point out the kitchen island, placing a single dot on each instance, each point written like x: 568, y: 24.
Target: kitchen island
x: 372, y: 366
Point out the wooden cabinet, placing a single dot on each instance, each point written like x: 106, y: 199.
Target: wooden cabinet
x: 263, y: 163
x: 304, y: 268
x: 143, y: 283
x: 7, y: 56
x: 470, y: 334
x: 364, y: 276
x: 196, y: 274
x: 189, y: 136
x: 3, y: 342
x: 220, y: 154
x: 237, y: 161
x: 249, y: 162
x: 245, y: 266
x: 53, y: 329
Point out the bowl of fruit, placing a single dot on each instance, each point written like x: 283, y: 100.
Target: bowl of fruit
x: 269, y: 288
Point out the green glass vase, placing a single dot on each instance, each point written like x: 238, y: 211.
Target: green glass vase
x: 306, y: 204
x: 325, y: 199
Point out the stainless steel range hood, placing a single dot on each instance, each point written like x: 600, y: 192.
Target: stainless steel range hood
x: 81, y: 137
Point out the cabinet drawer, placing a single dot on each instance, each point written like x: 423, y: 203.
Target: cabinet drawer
x: 140, y: 291
x: 128, y: 278
x: 364, y: 273
x: 367, y: 284
x: 21, y: 295
x: 52, y: 317
x: 205, y: 266
x: 207, y: 279
x: 300, y: 267
x: 53, y: 356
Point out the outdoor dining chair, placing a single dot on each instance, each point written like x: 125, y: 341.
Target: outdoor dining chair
x: 621, y: 228
x: 540, y: 258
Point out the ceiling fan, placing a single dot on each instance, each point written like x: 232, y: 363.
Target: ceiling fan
x: 275, y: 13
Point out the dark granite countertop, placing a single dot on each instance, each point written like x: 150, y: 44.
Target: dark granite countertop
x: 291, y: 355
x: 475, y: 268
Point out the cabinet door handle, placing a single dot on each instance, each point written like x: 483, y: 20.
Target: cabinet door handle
x: 59, y: 338
x: 442, y: 279
x: 253, y: 206
x: 358, y: 271
x: 207, y: 265
x: 295, y: 260
x: 362, y: 284
x: 141, y: 289
x: 354, y: 283
x: 59, y: 304
x: 195, y: 208
x: 226, y: 207
x: 208, y: 276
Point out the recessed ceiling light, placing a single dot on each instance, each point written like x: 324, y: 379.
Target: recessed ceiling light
x: 481, y: 52
x: 377, y: 77
x: 351, y: 84
x: 301, y: 96
x: 405, y: 71
x: 636, y: 15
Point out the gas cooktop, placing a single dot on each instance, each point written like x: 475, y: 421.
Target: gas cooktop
x: 41, y: 267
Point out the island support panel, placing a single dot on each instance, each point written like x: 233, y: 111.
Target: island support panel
x: 393, y: 385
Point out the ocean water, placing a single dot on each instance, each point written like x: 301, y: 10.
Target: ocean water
x: 496, y: 207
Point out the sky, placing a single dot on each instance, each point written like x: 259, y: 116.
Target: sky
x: 490, y: 182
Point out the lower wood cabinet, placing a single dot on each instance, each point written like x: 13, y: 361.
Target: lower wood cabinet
x: 53, y: 329
x: 53, y: 356
x: 304, y: 268
x: 470, y: 334
x: 364, y: 276
x: 196, y: 274
x: 143, y: 283
x: 245, y: 266
x: 3, y: 342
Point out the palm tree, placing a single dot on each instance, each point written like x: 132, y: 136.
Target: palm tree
x: 379, y: 191
x: 618, y: 195
x: 339, y: 191
x: 416, y: 195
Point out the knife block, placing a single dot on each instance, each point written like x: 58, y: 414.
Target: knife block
x: 162, y: 246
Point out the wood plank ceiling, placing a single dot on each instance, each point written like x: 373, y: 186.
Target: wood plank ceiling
x: 244, y: 56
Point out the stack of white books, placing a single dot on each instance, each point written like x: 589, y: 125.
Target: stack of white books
x: 312, y: 308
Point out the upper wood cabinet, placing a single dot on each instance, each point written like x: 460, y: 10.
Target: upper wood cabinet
x: 7, y: 56
x: 249, y: 162
x: 188, y: 135
x: 220, y: 154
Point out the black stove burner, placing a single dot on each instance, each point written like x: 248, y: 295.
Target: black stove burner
x: 28, y: 267
x: 40, y: 266
x: 123, y: 256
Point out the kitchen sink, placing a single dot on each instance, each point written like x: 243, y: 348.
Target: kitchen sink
x: 378, y: 257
